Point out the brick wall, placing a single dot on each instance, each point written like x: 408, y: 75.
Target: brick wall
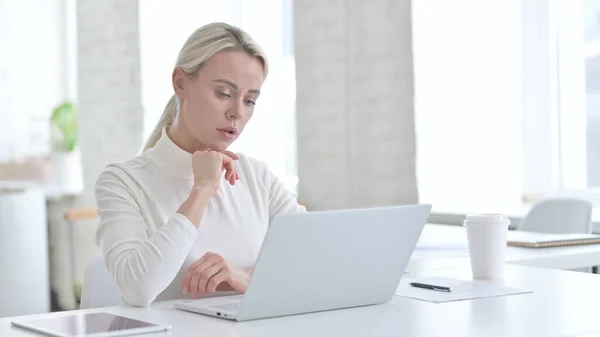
x: 111, y: 115
x: 355, y: 114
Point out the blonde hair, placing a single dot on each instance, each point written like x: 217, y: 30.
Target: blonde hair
x: 205, y: 42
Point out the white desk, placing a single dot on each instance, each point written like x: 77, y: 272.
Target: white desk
x: 563, y: 304
x: 448, y: 243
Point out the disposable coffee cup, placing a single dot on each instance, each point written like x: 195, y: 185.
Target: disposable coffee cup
x: 487, y: 236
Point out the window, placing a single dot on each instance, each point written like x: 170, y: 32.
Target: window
x: 468, y: 103
x: 582, y: 27
x: 591, y: 59
x: 509, y: 112
x: 164, y: 27
x: 578, y: 93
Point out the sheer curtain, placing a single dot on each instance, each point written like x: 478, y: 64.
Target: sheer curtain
x: 468, y: 103
x: 164, y: 27
x: 507, y: 113
x: 576, y: 31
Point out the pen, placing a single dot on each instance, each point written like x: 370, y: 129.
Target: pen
x: 430, y: 286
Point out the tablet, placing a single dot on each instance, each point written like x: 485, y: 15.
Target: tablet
x: 99, y: 324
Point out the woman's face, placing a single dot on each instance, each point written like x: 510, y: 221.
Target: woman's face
x: 216, y: 105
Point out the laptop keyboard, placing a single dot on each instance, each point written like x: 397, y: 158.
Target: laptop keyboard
x: 231, y: 307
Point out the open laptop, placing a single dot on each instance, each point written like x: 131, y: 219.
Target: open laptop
x: 325, y: 260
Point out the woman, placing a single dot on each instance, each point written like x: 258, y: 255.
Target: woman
x: 187, y: 217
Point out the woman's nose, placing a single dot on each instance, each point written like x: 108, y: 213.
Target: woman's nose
x: 236, y: 111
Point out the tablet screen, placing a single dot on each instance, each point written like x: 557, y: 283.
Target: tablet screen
x: 84, y: 324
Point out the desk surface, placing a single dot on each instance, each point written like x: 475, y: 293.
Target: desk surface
x: 449, y: 243
x: 563, y: 304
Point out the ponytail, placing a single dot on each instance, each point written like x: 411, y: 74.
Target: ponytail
x: 165, y: 120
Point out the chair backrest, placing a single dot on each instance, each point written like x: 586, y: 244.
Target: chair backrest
x: 559, y: 215
x: 99, y: 289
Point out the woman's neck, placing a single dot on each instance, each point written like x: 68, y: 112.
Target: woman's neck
x: 182, y: 137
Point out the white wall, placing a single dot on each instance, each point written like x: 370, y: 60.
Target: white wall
x: 111, y: 118
x: 33, y: 74
x: 355, y: 113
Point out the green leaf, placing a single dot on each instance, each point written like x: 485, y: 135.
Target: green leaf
x: 64, y: 120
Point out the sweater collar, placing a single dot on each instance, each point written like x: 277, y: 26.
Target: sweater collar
x: 173, y: 158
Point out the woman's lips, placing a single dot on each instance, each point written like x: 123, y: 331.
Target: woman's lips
x: 227, y: 133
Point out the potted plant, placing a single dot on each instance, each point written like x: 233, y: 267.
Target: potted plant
x: 63, y: 123
x: 65, y: 153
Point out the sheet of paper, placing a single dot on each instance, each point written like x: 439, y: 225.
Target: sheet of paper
x: 461, y: 290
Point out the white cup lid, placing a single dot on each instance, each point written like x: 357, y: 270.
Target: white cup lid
x: 487, y: 219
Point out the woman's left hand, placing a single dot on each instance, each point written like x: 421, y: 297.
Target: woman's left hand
x: 211, y: 273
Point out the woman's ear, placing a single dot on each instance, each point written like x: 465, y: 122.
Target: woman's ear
x: 178, y: 82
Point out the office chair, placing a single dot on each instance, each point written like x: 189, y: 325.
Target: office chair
x: 559, y: 215
x: 99, y: 289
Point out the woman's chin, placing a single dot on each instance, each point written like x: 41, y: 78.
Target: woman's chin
x: 219, y: 146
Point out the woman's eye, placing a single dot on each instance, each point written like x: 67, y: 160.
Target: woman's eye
x: 250, y: 102
x: 223, y: 95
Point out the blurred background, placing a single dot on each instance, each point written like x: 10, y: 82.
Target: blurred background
x: 470, y: 105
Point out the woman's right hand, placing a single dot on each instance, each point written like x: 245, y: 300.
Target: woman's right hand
x: 209, y: 166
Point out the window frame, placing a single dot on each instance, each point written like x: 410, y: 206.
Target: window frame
x: 556, y: 114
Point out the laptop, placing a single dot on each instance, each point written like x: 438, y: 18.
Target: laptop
x: 324, y: 260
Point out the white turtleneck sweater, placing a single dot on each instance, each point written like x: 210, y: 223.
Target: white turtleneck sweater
x: 148, y: 246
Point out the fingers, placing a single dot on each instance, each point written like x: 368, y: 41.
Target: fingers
x: 199, y: 261
x: 195, y: 280
x: 233, y: 178
x: 231, y: 155
x: 227, y: 158
x: 212, y: 273
x: 200, y: 272
x: 223, y: 275
x: 231, y: 174
x: 185, y: 284
x: 228, y: 162
x: 228, y: 175
x: 215, y: 260
x: 208, y: 274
